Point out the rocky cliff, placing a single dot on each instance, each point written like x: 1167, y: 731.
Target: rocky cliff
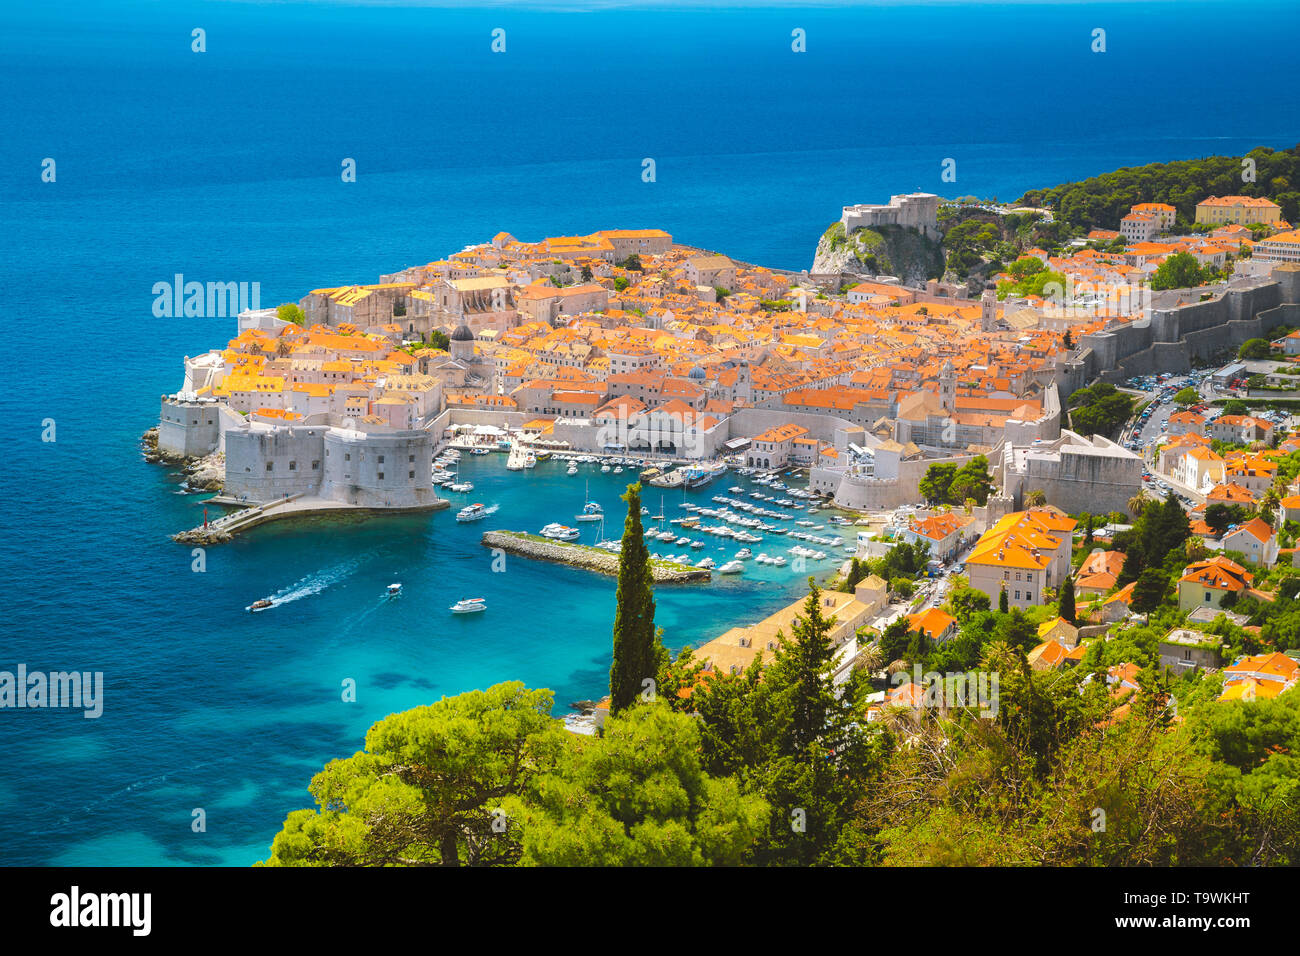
x: 883, y: 250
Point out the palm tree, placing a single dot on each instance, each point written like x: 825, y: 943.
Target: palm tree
x: 1036, y: 498
x: 869, y: 658
x: 1137, y: 504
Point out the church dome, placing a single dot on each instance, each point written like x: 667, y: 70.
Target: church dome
x: 462, y: 334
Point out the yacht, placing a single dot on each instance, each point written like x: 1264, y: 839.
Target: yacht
x: 731, y: 567
x: 469, y: 606
x: 707, y: 563
x: 572, y: 469
x: 394, y: 590
x: 560, y: 532
x: 778, y: 561
x: 744, y: 554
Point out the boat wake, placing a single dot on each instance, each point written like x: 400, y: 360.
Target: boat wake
x: 315, y: 583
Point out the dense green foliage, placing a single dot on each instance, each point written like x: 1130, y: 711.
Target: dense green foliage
x: 1101, y: 201
x: 290, y: 312
x: 1181, y: 271
x: 945, y: 483
x: 1254, y: 349
x: 1099, y: 410
x: 1030, y: 276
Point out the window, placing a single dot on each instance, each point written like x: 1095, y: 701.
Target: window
x: 315, y: 465
x: 1017, y: 595
x: 381, y: 476
x: 347, y: 457
x: 268, y: 466
x: 410, y: 458
x: 381, y: 459
x: 410, y: 474
x: 293, y: 466
x: 1029, y: 595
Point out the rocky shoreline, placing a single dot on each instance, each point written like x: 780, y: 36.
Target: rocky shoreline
x: 201, y: 474
x: 585, y: 557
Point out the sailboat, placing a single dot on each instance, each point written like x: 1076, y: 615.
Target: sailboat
x: 591, y: 511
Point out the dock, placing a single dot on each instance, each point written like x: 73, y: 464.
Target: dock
x: 223, y: 529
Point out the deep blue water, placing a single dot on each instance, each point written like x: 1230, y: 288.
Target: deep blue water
x: 225, y: 166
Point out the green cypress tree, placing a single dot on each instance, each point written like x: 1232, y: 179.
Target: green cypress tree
x: 637, y: 651
x: 1002, y: 601
x: 1065, y: 606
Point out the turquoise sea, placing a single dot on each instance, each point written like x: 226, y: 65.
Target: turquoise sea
x: 224, y: 166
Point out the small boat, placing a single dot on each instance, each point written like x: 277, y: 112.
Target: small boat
x: 474, y: 512
x: 731, y: 567
x: 479, y: 451
x: 469, y: 606
x: 744, y: 554
x: 394, y: 589
x: 706, y: 563
x: 618, y: 469
x: 572, y: 469
x: 605, y: 469
x: 261, y: 605
x: 779, y: 561
x: 591, y: 511
x: 697, y: 545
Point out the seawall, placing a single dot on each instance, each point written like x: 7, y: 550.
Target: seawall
x: 585, y: 557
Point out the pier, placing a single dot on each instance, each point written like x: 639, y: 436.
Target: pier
x: 585, y: 557
x: 223, y: 529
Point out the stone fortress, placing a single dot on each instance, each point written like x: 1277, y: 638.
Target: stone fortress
x: 1173, y: 336
x: 917, y: 210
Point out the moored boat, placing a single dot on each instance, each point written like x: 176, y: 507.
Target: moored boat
x: 469, y: 606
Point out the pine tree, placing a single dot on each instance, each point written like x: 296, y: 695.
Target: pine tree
x: 1065, y: 606
x: 638, y: 653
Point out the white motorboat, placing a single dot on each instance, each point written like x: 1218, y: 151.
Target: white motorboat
x: 394, y: 589
x: 744, y: 554
x: 707, y: 563
x: 474, y: 512
x: 604, y: 469
x: 560, y: 532
x: 731, y: 567
x: 469, y: 606
x: 778, y: 561
x: 572, y: 469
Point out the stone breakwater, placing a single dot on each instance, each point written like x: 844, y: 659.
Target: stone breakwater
x: 585, y: 557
